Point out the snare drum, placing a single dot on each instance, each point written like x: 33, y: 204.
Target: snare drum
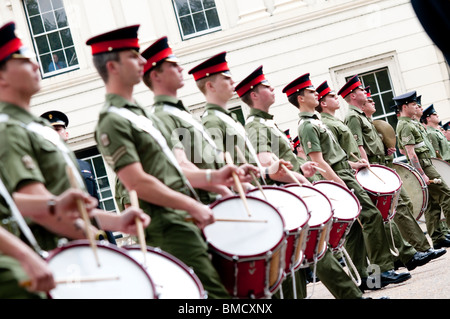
x: 296, y: 216
x: 346, y: 209
x: 415, y: 186
x: 382, y: 184
x: 319, y: 224
x: 119, y: 276
x: 173, y: 279
x: 248, y: 251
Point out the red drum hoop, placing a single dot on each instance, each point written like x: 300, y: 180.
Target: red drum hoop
x: 249, y: 256
x: 385, y: 192
x: 173, y: 279
x: 295, y: 214
x: 75, y: 261
x: 320, y: 221
x: 415, y: 186
x: 346, y: 209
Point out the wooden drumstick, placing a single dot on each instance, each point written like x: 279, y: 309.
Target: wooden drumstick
x: 288, y: 171
x: 85, y: 216
x: 368, y: 167
x: 191, y: 219
x: 238, y: 184
x: 27, y: 283
x: 242, y: 158
x: 140, y: 227
x: 436, y: 181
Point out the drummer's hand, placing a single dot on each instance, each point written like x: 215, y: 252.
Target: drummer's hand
x: 426, y: 179
x: 66, y: 203
x: 276, y: 169
x: 202, y: 215
x: 224, y: 175
x: 39, y: 273
x: 391, y: 151
x: 309, y: 168
x: 127, y: 222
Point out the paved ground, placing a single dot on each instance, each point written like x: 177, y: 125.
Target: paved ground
x: 431, y: 281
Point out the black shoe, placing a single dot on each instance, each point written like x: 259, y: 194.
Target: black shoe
x: 419, y: 259
x: 442, y: 243
x: 447, y: 236
x: 437, y: 252
x: 392, y: 277
x: 398, y: 264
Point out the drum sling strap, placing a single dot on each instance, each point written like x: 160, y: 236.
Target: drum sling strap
x: 21, y: 221
x: 241, y: 131
x: 189, y: 119
x: 145, y: 124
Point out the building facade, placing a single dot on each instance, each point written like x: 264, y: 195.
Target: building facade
x: 380, y: 40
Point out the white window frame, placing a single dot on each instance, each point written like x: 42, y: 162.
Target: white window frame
x: 44, y: 72
x: 195, y: 34
x: 386, y: 60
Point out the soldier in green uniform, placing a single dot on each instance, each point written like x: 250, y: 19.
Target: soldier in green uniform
x: 371, y: 148
x: 412, y: 142
x: 163, y: 76
x: 440, y: 144
x: 268, y: 139
x: 321, y: 146
x: 34, y: 157
x: 404, y: 218
x: 301, y: 157
x: 213, y: 78
x: 139, y: 150
x: 442, y: 233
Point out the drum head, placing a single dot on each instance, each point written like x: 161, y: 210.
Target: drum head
x: 443, y: 168
x: 172, y: 278
x: 291, y: 207
x: 317, y: 202
x: 415, y: 186
x: 345, y: 204
x: 256, y: 235
x: 76, y: 261
x: 379, y: 179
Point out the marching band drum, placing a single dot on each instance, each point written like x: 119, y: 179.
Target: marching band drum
x: 383, y: 186
x: 415, y: 186
x: 247, y: 251
x: 115, y: 275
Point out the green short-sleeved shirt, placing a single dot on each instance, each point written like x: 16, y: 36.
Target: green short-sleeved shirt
x: 439, y: 142
x: 424, y: 133
x: 28, y: 157
x: 364, y: 132
x: 265, y: 136
x: 179, y: 120
x: 123, y: 143
x: 316, y: 137
x: 409, y: 134
x: 198, y: 150
x: 342, y: 134
x: 226, y: 136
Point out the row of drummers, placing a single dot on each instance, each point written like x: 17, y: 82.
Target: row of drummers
x: 276, y: 231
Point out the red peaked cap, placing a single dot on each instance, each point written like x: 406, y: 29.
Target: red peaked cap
x: 215, y: 64
x: 251, y: 81
x: 323, y: 89
x: 9, y: 42
x: 158, y: 52
x: 117, y: 40
x: 352, y: 84
x: 299, y: 83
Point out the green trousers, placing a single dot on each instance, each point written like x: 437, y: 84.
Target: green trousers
x: 372, y: 236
